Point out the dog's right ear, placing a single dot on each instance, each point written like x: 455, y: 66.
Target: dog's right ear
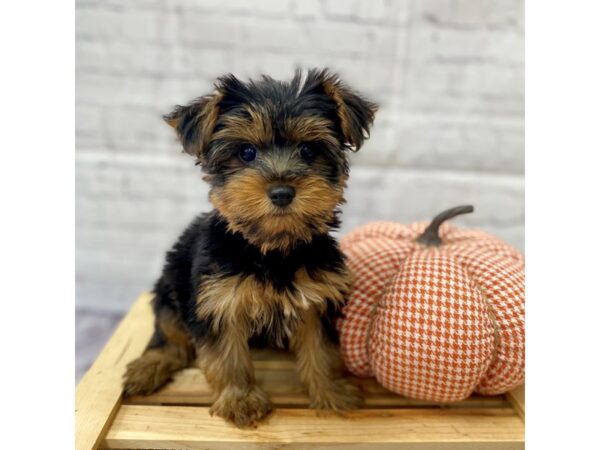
x: 195, y: 122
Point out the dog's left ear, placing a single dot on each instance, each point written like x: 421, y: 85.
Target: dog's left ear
x: 195, y: 122
x: 355, y: 113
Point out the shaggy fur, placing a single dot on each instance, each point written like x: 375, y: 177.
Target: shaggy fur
x: 253, y: 272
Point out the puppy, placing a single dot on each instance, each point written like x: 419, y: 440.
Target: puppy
x: 261, y: 268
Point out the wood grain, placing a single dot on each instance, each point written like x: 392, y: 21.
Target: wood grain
x: 189, y: 387
x: 177, y: 416
x: 516, y: 398
x: 98, y: 394
x: 187, y: 427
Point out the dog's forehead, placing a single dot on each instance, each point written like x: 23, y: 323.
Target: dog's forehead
x: 270, y: 111
x: 280, y: 100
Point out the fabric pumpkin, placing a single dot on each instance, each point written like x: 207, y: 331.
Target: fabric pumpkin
x: 436, y: 312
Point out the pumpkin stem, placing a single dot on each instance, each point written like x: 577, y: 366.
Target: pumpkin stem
x: 431, y: 235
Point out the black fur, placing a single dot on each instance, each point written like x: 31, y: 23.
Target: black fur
x: 207, y: 248
x: 296, y: 98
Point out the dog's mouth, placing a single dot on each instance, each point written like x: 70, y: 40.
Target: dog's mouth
x: 282, y: 211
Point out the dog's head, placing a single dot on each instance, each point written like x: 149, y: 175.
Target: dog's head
x: 276, y: 153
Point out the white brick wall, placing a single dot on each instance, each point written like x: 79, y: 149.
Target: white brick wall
x: 447, y: 73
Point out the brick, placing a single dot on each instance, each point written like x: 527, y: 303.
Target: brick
x: 128, y: 59
x: 136, y: 211
x: 142, y: 25
x: 471, y: 14
x: 89, y: 127
x: 448, y: 74
x: 409, y: 195
x: 474, y: 89
x: 500, y: 47
x: 350, y: 10
x: 111, y: 283
x: 267, y: 35
x: 346, y: 38
x: 115, y: 90
x: 315, y: 38
x: 444, y: 142
x: 140, y: 130
x: 382, y: 12
x: 282, y: 65
x: 205, y: 30
x: 306, y: 9
x: 130, y: 24
x: 169, y: 176
x: 263, y: 8
x: 97, y: 23
x: 184, y: 6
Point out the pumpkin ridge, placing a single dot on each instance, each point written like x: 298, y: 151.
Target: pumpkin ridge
x: 510, y: 332
x: 363, y: 258
x: 489, y: 309
x: 440, y: 322
x: 425, y: 325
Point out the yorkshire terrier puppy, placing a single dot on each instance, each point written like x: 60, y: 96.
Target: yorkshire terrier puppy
x: 261, y: 268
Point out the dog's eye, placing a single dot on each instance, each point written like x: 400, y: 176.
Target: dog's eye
x: 248, y: 153
x: 307, y: 153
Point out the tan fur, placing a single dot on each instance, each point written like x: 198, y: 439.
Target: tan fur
x: 244, y: 407
x: 228, y: 368
x: 319, y: 366
x: 256, y: 129
x: 156, y: 366
x: 332, y: 89
x: 207, y: 119
x: 210, y: 115
x: 309, y: 128
x: 246, y: 302
x: 227, y: 363
x: 354, y: 133
x: 242, y: 306
x: 243, y: 201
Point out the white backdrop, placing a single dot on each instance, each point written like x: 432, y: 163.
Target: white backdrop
x: 447, y: 73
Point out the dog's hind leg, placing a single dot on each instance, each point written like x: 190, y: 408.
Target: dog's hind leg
x: 169, y: 350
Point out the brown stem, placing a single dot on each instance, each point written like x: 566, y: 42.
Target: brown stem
x: 431, y: 235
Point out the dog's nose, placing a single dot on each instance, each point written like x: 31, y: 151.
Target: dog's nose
x: 282, y: 195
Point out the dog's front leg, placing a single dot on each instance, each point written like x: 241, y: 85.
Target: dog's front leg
x: 319, y: 366
x: 228, y: 368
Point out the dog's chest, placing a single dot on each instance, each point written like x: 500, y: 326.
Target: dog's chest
x: 262, y: 306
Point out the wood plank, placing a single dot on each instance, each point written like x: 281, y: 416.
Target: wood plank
x: 190, y: 387
x: 516, y: 398
x: 98, y: 394
x: 187, y: 427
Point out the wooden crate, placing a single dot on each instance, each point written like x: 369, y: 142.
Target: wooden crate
x: 177, y: 416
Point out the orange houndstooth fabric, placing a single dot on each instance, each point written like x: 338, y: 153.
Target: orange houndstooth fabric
x: 434, y: 323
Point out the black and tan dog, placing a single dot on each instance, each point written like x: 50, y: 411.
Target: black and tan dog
x: 261, y: 268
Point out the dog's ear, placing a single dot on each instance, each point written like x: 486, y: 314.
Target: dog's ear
x: 195, y: 122
x: 355, y: 113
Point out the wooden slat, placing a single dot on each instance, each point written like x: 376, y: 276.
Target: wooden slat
x: 98, y: 394
x: 187, y: 427
x: 477, y: 423
x: 516, y: 398
x: 190, y: 387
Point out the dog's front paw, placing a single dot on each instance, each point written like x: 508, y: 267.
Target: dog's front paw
x: 339, y: 395
x: 242, y: 408
x: 145, y: 375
